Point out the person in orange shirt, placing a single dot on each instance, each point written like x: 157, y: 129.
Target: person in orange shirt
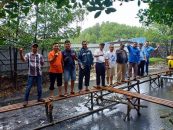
x: 56, y: 69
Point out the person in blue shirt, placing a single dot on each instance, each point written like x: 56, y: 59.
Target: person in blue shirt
x: 148, y: 50
x: 85, y: 60
x: 142, y: 60
x: 133, y: 59
x: 69, y: 57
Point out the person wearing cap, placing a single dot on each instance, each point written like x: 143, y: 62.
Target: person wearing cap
x: 69, y: 57
x: 85, y: 60
x: 56, y: 69
x: 100, y: 63
x: 148, y: 50
x: 121, y: 61
x: 133, y: 59
x: 110, y: 69
x: 35, y: 62
x: 142, y: 60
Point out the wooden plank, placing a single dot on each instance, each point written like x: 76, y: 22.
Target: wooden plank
x: 152, y: 99
x: 56, y: 98
x: 34, y: 102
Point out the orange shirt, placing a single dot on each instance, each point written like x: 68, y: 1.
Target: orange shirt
x: 55, y: 65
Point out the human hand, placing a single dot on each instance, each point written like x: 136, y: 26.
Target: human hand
x: 56, y: 54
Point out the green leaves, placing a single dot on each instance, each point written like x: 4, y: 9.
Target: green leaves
x: 110, y: 10
x: 97, y: 14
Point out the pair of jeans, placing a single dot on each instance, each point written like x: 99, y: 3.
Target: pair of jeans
x: 31, y: 79
x: 100, y: 72
x: 69, y: 74
x: 84, y: 73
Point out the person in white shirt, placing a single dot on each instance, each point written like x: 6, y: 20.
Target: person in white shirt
x: 100, y: 62
x: 110, y: 69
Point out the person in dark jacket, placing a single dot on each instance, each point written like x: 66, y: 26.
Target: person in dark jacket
x: 121, y: 60
x: 85, y: 60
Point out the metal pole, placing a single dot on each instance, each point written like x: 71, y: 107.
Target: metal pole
x: 138, y: 98
x: 92, y: 101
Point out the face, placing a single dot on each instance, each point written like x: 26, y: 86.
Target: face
x: 55, y: 47
x: 121, y: 47
x: 135, y: 44
x: 101, y: 47
x: 111, y: 48
x: 140, y: 45
x: 34, y: 49
x: 67, y: 46
x: 84, y: 45
x: 147, y: 44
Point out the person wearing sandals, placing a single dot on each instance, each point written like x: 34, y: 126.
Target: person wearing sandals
x: 35, y: 62
x: 110, y: 69
x: 100, y: 64
x: 56, y: 69
x: 134, y: 60
x: 85, y: 60
x: 69, y: 57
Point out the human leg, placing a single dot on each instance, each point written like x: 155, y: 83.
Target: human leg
x: 28, y: 87
x: 52, y: 82
x: 81, y: 75
x: 39, y: 87
x: 73, y: 78
x: 59, y: 83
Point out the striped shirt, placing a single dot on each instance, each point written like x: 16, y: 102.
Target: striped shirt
x: 35, y: 62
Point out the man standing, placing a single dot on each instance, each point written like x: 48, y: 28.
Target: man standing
x: 142, y: 60
x: 35, y: 62
x: 85, y: 59
x: 121, y: 60
x: 56, y: 69
x: 99, y: 58
x: 111, y: 57
x: 134, y: 56
x: 69, y: 57
x: 148, y: 50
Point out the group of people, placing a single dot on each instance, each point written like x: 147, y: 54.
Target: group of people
x: 62, y: 63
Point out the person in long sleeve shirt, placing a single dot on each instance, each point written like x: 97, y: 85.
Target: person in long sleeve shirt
x: 85, y: 60
x: 134, y: 58
x: 142, y: 60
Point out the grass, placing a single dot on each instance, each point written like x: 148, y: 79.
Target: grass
x: 157, y: 60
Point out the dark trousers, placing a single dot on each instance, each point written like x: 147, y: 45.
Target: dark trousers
x: 141, y: 68
x: 146, y: 66
x: 100, y: 72
x: 84, y: 73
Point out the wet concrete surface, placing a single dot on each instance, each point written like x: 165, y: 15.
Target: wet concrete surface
x: 111, y: 118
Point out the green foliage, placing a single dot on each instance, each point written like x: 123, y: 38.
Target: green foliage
x: 157, y: 60
x: 159, y: 11
x: 52, y: 23
x: 109, y: 31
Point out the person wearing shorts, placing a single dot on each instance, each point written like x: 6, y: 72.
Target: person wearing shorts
x: 56, y: 69
x: 110, y: 68
x: 69, y: 57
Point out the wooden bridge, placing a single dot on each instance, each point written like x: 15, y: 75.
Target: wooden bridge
x: 154, y: 78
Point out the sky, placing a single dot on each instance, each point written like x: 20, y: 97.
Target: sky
x: 125, y: 14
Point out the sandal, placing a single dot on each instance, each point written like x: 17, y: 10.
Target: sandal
x: 72, y: 93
